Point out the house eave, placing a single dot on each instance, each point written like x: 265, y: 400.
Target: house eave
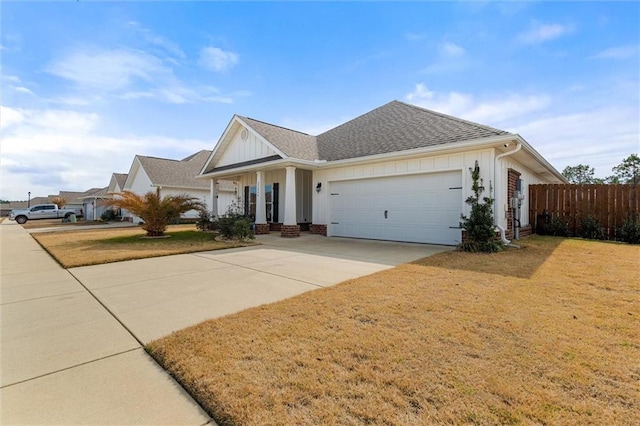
x: 418, y: 152
x: 276, y: 164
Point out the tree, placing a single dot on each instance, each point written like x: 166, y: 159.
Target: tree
x: 629, y: 170
x: 60, y: 201
x: 156, y: 212
x: 581, y: 173
x: 479, y: 227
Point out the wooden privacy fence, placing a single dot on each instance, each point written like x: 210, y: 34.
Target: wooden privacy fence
x: 610, y: 204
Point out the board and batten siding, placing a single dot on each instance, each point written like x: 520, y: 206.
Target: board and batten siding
x: 461, y: 161
x: 240, y: 150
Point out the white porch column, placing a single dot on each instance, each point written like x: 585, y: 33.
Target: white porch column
x: 290, y: 197
x: 261, y: 209
x: 213, y: 194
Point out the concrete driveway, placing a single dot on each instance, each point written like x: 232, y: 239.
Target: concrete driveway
x: 153, y: 297
x: 71, y: 340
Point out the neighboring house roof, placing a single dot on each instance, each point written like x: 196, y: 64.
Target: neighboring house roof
x: 175, y: 173
x: 100, y: 193
x: 397, y: 126
x: 73, y: 197
x: 116, y: 184
x: 121, y: 178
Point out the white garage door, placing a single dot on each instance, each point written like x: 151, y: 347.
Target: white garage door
x: 421, y: 208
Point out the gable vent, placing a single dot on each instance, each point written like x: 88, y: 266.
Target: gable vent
x: 244, y: 134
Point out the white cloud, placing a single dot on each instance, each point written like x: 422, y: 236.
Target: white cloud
x: 539, y: 33
x: 156, y: 40
x: 496, y: 110
x: 599, y: 136
x: 45, y: 151
x: 452, y: 49
x: 217, y: 59
x: 620, y: 52
x: 21, y: 89
x: 127, y: 74
x: 107, y: 70
x: 10, y: 117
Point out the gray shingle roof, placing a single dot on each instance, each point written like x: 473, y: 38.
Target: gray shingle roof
x: 397, y: 126
x: 291, y: 142
x: 176, y: 173
x: 121, y: 178
x: 95, y: 193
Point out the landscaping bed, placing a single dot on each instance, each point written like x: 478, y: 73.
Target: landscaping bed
x: 93, y: 247
x: 546, y: 334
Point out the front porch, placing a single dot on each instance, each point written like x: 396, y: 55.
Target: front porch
x: 276, y: 199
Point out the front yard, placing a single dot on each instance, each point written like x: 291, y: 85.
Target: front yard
x: 547, y: 334
x: 93, y: 247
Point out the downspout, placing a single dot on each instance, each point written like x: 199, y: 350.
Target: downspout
x: 495, y: 185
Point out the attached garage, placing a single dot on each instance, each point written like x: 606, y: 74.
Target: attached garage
x: 421, y: 208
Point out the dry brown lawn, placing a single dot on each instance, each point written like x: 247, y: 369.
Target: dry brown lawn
x: 93, y: 247
x: 549, y: 334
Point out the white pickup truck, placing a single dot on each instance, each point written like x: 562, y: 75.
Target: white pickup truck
x: 42, y: 211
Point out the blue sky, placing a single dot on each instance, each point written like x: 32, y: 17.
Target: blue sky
x: 86, y: 86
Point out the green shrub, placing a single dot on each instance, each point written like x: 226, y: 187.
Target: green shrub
x: 480, y: 233
x: 590, y: 228
x: 557, y: 227
x: 629, y: 232
x: 235, y: 225
x: 206, y: 222
x: 108, y: 215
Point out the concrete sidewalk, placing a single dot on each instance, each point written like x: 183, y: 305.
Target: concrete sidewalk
x: 66, y: 359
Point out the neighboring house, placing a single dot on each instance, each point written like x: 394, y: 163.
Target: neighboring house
x: 93, y: 203
x: 174, y: 177
x: 116, y: 184
x: 74, y: 198
x: 399, y: 173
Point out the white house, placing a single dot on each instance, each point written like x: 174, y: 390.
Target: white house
x: 93, y: 203
x: 399, y: 172
x: 173, y: 177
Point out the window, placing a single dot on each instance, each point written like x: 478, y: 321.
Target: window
x: 250, y: 201
x: 270, y: 198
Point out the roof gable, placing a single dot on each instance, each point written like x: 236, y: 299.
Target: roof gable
x: 116, y: 184
x: 292, y: 143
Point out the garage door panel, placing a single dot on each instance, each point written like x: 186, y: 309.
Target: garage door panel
x: 420, y: 208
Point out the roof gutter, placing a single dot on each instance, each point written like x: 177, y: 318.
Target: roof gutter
x: 495, y: 167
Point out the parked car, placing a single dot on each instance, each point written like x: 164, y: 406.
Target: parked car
x: 43, y: 211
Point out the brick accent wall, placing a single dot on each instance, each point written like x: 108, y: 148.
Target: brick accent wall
x: 526, y: 231
x: 318, y: 229
x: 275, y: 227
x: 262, y: 228
x: 512, y: 183
x: 290, y: 231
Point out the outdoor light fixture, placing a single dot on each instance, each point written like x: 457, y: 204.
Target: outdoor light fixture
x: 318, y: 186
